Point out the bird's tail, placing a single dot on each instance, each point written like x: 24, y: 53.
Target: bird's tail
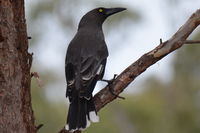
x: 81, y: 112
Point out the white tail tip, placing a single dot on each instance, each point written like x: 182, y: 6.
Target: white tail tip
x: 93, y: 116
x: 72, y: 130
x: 67, y: 127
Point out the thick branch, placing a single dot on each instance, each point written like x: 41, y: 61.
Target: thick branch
x: 129, y: 74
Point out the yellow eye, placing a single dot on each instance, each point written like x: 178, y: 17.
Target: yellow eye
x: 100, y: 10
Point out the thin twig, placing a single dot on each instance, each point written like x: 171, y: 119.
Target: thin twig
x: 39, y: 126
x: 37, y: 77
x: 192, y: 42
x: 161, y: 41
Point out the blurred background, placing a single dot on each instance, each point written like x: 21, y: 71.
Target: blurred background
x: 164, y: 99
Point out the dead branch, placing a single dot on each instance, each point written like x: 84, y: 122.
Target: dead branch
x: 130, y: 73
x: 192, y: 42
x: 148, y: 59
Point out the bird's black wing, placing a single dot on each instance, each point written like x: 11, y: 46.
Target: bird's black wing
x: 92, y: 69
x: 82, y: 76
x: 85, y: 63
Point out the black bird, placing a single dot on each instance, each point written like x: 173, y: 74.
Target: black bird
x: 84, y: 66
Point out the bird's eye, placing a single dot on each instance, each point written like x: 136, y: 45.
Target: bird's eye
x: 100, y: 10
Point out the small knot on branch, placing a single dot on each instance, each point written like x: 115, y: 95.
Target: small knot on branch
x: 161, y: 41
x: 39, y: 126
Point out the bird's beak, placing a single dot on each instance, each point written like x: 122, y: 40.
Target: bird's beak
x: 111, y: 11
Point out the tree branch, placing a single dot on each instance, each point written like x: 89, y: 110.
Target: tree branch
x: 129, y: 74
x: 192, y: 42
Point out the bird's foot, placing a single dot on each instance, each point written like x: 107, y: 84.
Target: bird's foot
x: 110, y: 81
x: 110, y: 86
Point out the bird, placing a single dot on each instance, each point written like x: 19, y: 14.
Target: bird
x: 85, y: 64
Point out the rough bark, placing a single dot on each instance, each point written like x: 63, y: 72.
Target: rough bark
x: 16, y: 115
x: 130, y: 73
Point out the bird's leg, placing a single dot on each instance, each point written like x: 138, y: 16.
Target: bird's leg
x: 109, y: 85
x: 110, y: 81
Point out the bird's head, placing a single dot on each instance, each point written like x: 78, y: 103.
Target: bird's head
x: 97, y: 16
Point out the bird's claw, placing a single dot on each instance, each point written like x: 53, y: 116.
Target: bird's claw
x: 111, y: 91
x: 110, y: 81
x: 110, y: 88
